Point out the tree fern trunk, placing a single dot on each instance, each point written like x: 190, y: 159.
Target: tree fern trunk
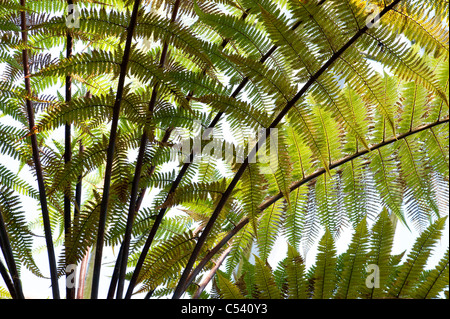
x: 37, y: 161
x: 110, y: 152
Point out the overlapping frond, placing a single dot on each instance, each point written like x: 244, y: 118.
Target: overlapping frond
x: 366, y: 270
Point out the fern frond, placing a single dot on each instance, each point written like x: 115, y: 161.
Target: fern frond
x: 268, y: 230
x: 417, y: 181
x: 352, y: 279
x: 324, y: 275
x: 227, y: 289
x: 10, y: 180
x: 153, y: 26
x: 265, y: 281
x: 417, y: 258
x: 243, y: 34
x: 19, y: 233
x: 241, y: 245
x: 428, y: 32
x: 295, y: 272
x: 402, y: 60
x: 387, y: 181
x: 295, y: 216
x: 252, y: 196
x: 381, y: 243
x: 165, y: 260
x: 435, y: 282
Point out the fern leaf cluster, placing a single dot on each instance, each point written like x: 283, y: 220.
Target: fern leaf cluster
x: 349, y: 275
x: 359, y: 115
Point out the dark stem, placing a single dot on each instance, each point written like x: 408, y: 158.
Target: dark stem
x: 9, y: 285
x: 115, y: 275
x: 70, y: 292
x: 211, y: 273
x: 78, y: 188
x: 37, y: 162
x: 183, y: 280
x: 149, y: 294
x: 138, y: 171
x: 110, y: 152
x: 5, y: 246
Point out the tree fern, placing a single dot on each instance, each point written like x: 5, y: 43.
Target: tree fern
x: 352, y: 275
x: 435, y: 281
x: 325, y: 276
x: 361, y: 115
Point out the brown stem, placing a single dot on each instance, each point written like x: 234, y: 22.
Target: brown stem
x: 211, y: 274
x: 82, y: 275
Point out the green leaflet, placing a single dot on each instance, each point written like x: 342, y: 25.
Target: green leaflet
x: 239, y: 112
x: 268, y: 230
x: 325, y: 276
x: 352, y: 278
x: 407, y: 64
x: 227, y: 289
x: 418, y: 182
x: 295, y: 272
x: 166, y: 259
x: 247, y: 36
x: 387, y: 181
x: 302, y: 122
x: 296, y: 216
x: 415, y: 263
x: 19, y: 233
x: 414, y: 106
x: 381, y: 242
x: 421, y: 28
x: 435, y: 282
x: 152, y: 25
x: 252, y: 196
x: 265, y: 281
x: 13, y: 182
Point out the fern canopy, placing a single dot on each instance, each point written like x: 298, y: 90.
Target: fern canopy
x: 187, y: 135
